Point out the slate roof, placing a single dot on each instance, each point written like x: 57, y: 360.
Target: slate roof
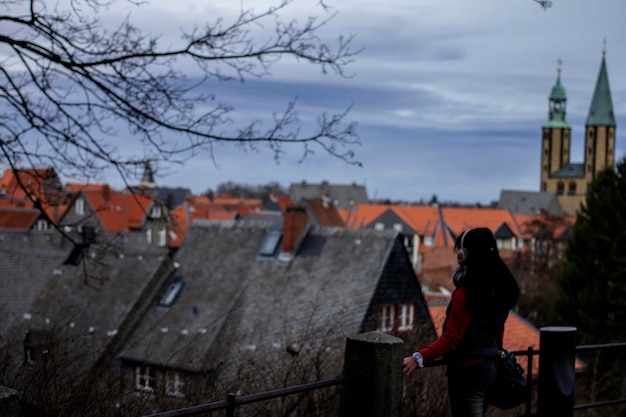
x: 90, y: 304
x: 575, y: 170
x: 342, y: 196
x: 234, y: 301
x: 27, y: 262
x: 530, y: 202
x: 601, y: 109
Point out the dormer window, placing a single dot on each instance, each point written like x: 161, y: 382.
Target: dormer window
x: 379, y: 226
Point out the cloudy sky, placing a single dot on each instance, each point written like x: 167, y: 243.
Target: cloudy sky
x: 449, y: 95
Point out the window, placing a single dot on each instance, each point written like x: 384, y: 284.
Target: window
x: 379, y: 226
x: 428, y: 240
x: 171, y: 293
x: 397, y: 227
x: 41, y: 225
x: 560, y: 188
x: 270, y: 243
x: 571, y: 190
x: 79, y: 207
x: 145, y: 378
x: 407, y: 312
x: 386, y: 318
x: 155, y: 212
x: 149, y: 235
x: 162, y: 237
x: 174, y: 384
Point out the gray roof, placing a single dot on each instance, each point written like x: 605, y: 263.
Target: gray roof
x: 235, y: 303
x: 27, y: 260
x: 87, y: 305
x: 341, y: 195
x: 570, y: 171
x: 530, y: 202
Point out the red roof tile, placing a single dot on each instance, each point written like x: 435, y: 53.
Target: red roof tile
x: 119, y: 211
x: 326, y: 212
x: 19, y: 219
x: 459, y: 219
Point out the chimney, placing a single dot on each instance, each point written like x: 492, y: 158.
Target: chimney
x: 294, y: 223
x: 106, y: 193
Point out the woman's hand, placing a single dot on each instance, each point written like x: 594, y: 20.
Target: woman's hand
x: 409, y: 365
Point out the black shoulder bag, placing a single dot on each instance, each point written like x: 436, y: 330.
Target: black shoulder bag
x: 510, y: 387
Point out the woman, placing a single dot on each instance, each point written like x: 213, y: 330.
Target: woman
x: 474, y: 326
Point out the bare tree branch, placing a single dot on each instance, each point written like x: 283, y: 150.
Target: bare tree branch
x: 67, y: 81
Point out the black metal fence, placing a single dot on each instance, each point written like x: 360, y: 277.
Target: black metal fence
x: 556, y: 350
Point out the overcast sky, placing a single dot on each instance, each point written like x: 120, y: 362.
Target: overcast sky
x: 449, y: 95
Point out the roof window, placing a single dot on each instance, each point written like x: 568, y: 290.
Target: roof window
x: 171, y: 293
x: 270, y: 243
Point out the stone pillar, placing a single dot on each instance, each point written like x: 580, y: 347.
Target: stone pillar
x: 555, y: 386
x: 375, y: 359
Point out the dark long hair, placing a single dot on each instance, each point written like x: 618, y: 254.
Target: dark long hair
x: 491, y: 288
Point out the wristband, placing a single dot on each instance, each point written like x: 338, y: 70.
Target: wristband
x: 419, y: 359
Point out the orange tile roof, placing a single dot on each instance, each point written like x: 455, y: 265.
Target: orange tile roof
x: 19, y: 219
x: 79, y: 186
x: 422, y: 219
x: 119, y: 211
x: 459, y: 219
x: 31, y: 179
x: 360, y: 215
x: 529, y: 224
x: 326, y: 213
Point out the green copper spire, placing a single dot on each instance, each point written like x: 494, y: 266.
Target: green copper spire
x: 558, y: 99
x: 601, y: 110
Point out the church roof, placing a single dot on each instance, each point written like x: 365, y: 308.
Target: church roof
x: 601, y: 110
x: 558, y: 98
x: 570, y: 171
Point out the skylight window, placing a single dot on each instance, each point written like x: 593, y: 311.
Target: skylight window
x: 171, y: 293
x: 270, y: 243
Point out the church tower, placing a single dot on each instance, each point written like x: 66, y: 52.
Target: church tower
x: 555, y: 147
x: 570, y: 181
x: 600, y: 128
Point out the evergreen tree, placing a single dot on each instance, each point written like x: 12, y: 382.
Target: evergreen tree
x: 592, y: 287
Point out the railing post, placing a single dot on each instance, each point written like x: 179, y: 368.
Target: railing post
x: 375, y: 359
x: 555, y: 386
x: 9, y: 402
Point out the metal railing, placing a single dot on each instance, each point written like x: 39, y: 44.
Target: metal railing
x: 232, y: 401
